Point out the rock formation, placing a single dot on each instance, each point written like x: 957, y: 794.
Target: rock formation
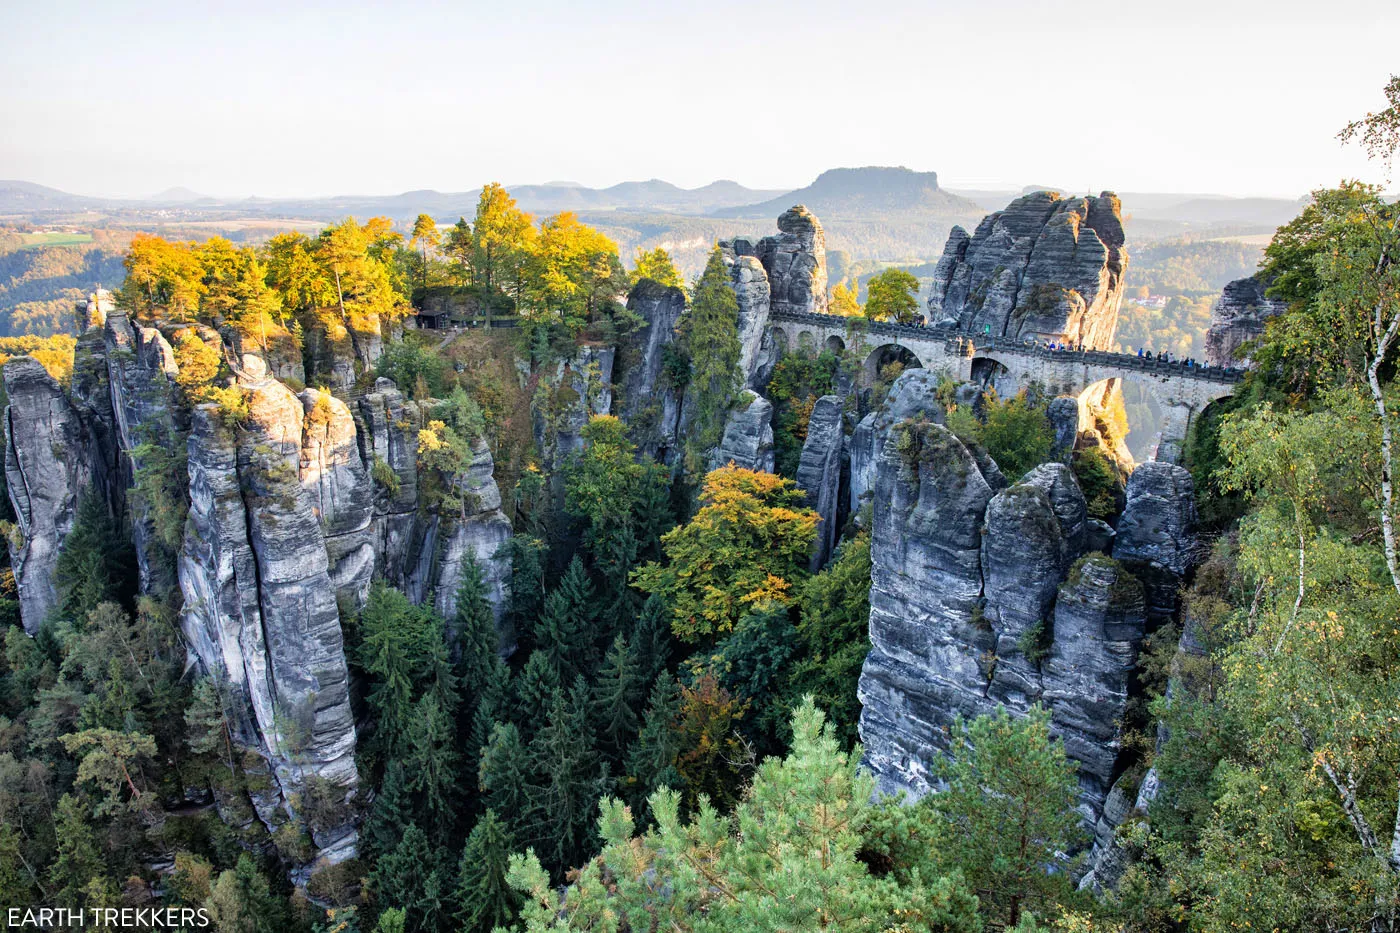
x: 421, y: 551
x: 149, y: 425
x: 1043, y: 268
x: 1063, y: 413
x: 981, y: 596
x: 1155, y: 538
x: 292, y: 509
x: 568, y: 393
x: 748, y: 435
x: 1238, y: 317
x: 259, y: 609
x: 341, y: 492
x: 819, y: 473
x: 47, y: 472
x: 646, y: 401
x: 795, y: 260
x: 785, y: 272
x: 753, y: 293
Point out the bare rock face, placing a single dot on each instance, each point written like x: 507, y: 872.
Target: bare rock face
x: 259, y: 609
x: 148, y: 422
x: 422, y: 551
x: 1099, y: 625
x: 46, y: 469
x: 445, y: 541
x: 648, y: 404
x: 341, y: 492
x: 387, y: 433
x: 862, y: 459
x: 752, y: 291
x: 568, y: 394
x: 747, y: 441
x: 795, y: 260
x: 1043, y: 268
x: 1239, y: 316
x: 819, y: 473
x: 1063, y: 414
x: 980, y: 598
x: 1156, y: 535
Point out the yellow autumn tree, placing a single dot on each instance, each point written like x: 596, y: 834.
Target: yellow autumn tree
x: 745, y: 549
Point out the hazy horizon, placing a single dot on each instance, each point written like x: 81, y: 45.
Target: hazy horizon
x: 259, y: 100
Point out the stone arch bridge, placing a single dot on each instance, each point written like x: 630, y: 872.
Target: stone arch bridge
x: 1182, y: 392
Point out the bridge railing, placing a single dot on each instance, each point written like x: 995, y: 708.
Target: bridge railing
x: 958, y: 339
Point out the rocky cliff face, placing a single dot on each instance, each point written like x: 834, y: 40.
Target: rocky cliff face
x: 47, y: 471
x: 785, y: 272
x: 260, y: 611
x: 983, y: 595
x: 754, y: 295
x: 1044, y: 268
x: 421, y: 551
x: 340, y: 492
x: 1239, y: 316
x: 1156, y: 535
x: 149, y: 425
x: 292, y: 509
x: 748, y: 435
x: 646, y: 401
x: 567, y: 394
x: 795, y: 260
x: 820, y: 470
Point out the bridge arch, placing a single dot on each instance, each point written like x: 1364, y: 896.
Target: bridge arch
x: 885, y: 354
x: 780, y: 340
x: 835, y: 344
x: 806, y: 341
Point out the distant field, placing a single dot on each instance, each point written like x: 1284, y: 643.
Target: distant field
x: 36, y: 240
x: 1250, y: 239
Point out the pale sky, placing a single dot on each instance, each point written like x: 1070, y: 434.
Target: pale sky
x: 311, y: 98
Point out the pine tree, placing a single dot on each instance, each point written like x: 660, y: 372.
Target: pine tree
x: 409, y: 878
x: 492, y: 706
x: 616, y: 695
x: 473, y: 631
x: 431, y: 764
x: 535, y: 690
x: 709, y: 337
x: 485, y: 900
x: 505, y: 782
x: 242, y: 900
x: 391, y: 813
x: 651, y: 762
x: 16, y: 887
x: 78, y: 860
x: 565, y: 631
x: 651, y: 639
x: 526, y: 584
x: 1009, y: 809
x: 571, y: 776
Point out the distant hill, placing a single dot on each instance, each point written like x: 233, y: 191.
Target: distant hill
x: 865, y: 193
x: 1270, y: 212
x: 178, y: 195
x: 23, y: 197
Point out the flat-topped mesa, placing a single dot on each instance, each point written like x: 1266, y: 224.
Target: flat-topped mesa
x: 1043, y: 268
x: 1239, y: 316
